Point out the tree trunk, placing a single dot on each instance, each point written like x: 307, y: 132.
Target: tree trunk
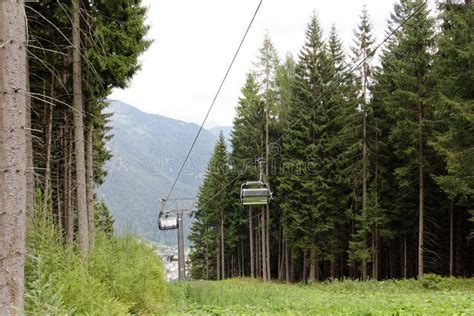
x: 242, y: 259
x: 292, y: 265
x: 267, y: 242
x: 252, y: 255
x: 364, y: 182
x: 304, y: 266
x: 451, y: 238
x: 206, y: 260
x: 332, y: 269
x: 281, y: 258
x: 364, y: 269
x: 30, y: 170
x: 364, y: 158
x: 280, y: 254
x: 375, y: 254
x: 390, y: 261
x: 67, y: 187
x: 90, y: 184
x: 13, y: 155
x: 287, y: 259
x: 222, y: 246
x: 83, y: 227
x: 58, y: 199
x: 266, y: 225
x: 218, y: 258
x: 47, y: 149
x: 264, y: 245
x: 421, y: 227
x: 312, y: 266
x: 376, y: 179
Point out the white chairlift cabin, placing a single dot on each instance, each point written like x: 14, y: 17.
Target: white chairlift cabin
x: 167, y: 222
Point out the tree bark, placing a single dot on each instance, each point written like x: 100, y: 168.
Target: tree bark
x: 30, y: 170
x: 364, y: 269
x: 258, y: 271
x: 264, y: 245
x: 280, y: 254
x: 451, y: 239
x: 206, y: 259
x: 83, y: 225
x: 252, y: 255
x: 266, y: 225
x: 332, y: 269
x: 421, y: 227
x: 242, y: 259
x: 90, y: 184
x: 13, y: 155
x: 47, y: 149
x: 304, y: 266
x: 364, y: 162
x: 218, y: 258
x: 375, y: 254
x: 222, y: 246
x: 287, y: 260
x: 312, y: 266
x: 267, y: 241
x: 281, y: 258
x: 292, y: 265
x: 67, y: 188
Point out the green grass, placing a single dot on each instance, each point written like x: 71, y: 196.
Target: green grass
x: 431, y: 296
x: 122, y: 276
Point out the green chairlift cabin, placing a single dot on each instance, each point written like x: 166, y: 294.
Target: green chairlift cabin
x: 256, y: 192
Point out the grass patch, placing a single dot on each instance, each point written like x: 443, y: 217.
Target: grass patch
x: 123, y: 275
x: 450, y: 296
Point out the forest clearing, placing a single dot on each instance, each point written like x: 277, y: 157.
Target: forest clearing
x: 431, y: 295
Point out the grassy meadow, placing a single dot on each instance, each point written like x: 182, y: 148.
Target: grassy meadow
x: 432, y: 295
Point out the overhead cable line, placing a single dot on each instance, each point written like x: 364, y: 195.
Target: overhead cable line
x: 213, y: 101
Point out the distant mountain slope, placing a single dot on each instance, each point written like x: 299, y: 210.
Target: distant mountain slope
x: 147, y: 152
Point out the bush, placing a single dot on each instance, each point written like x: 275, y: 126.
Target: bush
x: 123, y: 275
x: 131, y: 271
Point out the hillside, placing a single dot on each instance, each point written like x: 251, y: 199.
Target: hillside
x: 148, y: 150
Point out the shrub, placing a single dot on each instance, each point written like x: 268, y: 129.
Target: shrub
x: 123, y: 275
x: 131, y: 271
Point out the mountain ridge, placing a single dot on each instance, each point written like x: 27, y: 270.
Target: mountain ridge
x: 147, y: 152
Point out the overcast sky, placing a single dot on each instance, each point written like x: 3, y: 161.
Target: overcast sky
x: 194, y: 42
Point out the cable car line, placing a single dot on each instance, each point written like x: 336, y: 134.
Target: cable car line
x: 213, y: 101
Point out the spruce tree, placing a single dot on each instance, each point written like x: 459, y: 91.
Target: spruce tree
x: 266, y: 72
x: 341, y: 144
x: 247, y: 146
x: 363, y: 53
x: 453, y: 134
x: 406, y: 65
x: 304, y: 181
x: 213, y: 205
